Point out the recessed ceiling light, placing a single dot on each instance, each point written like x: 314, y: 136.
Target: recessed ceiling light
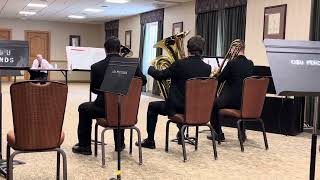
x: 37, y: 5
x: 93, y: 10
x: 76, y: 17
x: 27, y: 13
x: 117, y: 1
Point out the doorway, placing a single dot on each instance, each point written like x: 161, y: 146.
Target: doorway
x: 39, y: 43
x: 149, y: 53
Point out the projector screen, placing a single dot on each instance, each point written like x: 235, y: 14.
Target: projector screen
x: 81, y: 58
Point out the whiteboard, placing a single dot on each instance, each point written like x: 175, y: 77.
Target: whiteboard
x: 83, y: 57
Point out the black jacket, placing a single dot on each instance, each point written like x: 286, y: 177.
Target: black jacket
x: 233, y: 74
x: 97, y: 75
x: 179, y: 72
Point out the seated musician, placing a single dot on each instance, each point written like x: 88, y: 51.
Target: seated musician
x: 233, y: 75
x: 39, y: 63
x: 96, y: 109
x: 179, y: 72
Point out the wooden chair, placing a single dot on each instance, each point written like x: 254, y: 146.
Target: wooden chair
x: 129, y: 106
x: 253, y: 96
x: 200, y: 96
x: 38, y: 114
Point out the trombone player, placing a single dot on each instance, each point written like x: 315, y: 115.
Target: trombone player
x: 231, y: 77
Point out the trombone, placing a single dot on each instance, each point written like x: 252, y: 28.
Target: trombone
x: 232, y: 53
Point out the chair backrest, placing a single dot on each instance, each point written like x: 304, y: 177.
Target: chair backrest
x: 38, y: 113
x: 253, y: 96
x: 129, y: 105
x: 200, y: 96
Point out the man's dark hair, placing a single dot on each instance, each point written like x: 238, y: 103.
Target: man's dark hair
x: 196, y: 45
x: 112, y: 45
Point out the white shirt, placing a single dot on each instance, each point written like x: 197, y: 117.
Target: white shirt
x: 44, y: 64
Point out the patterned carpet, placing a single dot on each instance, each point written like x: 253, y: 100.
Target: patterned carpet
x: 287, y: 158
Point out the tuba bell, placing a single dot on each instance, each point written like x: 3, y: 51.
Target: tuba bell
x: 232, y: 53
x: 174, y: 47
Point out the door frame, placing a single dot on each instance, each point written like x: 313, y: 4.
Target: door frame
x: 7, y: 29
x: 10, y: 38
x: 49, y: 44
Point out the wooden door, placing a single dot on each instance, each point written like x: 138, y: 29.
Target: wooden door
x: 39, y: 43
x: 5, y: 34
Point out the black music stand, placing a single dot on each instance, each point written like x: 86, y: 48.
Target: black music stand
x: 295, y: 68
x: 14, y: 57
x: 117, y: 80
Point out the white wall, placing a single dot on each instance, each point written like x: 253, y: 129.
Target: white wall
x: 92, y: 35
x: 183, y: 12
x: 297, y: 25
x: 133, y: 24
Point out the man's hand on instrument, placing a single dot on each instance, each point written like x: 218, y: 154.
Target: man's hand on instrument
x: 152, y: 63
x: 215, y: 71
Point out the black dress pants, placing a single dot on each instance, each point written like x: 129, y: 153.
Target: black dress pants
x: 154, y: 109
x: 87, y: 112
x: 221, y: 102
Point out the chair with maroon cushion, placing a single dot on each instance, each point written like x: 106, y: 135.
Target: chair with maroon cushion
x: 129, y: 106
x: 200, y: 96
x: 38, y: 114
x: 253, y: 96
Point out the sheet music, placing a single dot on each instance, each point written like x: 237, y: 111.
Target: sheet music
x: 212, y: 62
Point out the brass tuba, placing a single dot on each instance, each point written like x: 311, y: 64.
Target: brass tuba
x: 232, y: 53
x: 174, y: 47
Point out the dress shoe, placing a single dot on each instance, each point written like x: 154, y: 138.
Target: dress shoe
x: 218, y: 137
x: 147, y: 144
x: 81, y: 150
x: 122, y: 147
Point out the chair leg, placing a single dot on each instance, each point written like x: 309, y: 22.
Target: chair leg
x: 183, y: 143
x: 103, y: 153
x: 8, y: 156
x: 10, y: 164
x: 96, y: 140
x: 139, y: 142
x: 197, y: 137
x: 240, y: 134
x: 130, y: 149
x: 215, y: 153
x: 58, y: 166
x: 264, y: 134
x: 167, y: 135
x: 64, y: 160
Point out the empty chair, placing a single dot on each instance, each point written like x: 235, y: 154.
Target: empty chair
x: 253, y: 96
x: 200, y: 96
x: 129, y: 106
x: 38, y: 113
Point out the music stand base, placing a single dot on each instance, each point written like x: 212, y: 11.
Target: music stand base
x: 188, y: 140
x: 3, y: 166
